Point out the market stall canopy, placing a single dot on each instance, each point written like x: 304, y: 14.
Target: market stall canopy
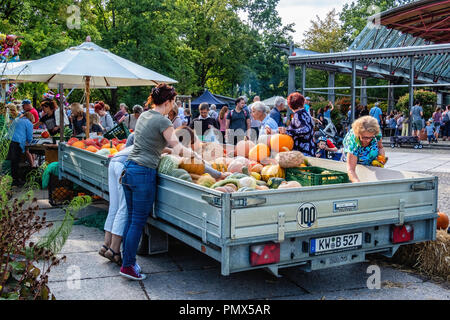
x: 8, y: 66
x: 270, y: 102
x: 208, y: 97
x: 73, y: 65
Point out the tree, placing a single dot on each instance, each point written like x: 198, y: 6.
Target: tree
x: 324, y: 35
x: 354, y: 16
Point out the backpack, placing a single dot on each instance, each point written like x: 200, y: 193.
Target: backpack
x: 446, y: 118
x: 245, y: 113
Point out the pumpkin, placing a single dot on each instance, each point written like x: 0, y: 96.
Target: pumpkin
x: 238, y: 164
x: 256, y: 175
x: 231, y: 186
x: 45, y: 134
x: 180, y: 174
x: 92, y: 149
x: 243, y: 148
x: 289, y: 159
x: 236, y: 175
x: 265, y: 139
x: 79, y: 144
x: 191, y: 166
x: 442, y: 221
x: 120, y: 146
x: 225, y: 182
x: 274, y: 183
x: 289, y: 185
x: 103, y: 152
x: 278, y: 142
x: 167, y: 164
x: 256, y: 168
x: 248, y: 182
x: 259, y: 152
x: 219, y: 167
x: 262, y: 188
x: 272, y: 171
x: 212, y: 151
x: 206, y: 180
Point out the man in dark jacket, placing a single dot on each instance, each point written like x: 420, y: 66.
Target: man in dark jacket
x: 204, y: 121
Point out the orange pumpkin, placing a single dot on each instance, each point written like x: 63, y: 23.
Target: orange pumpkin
x: 91, y: 149
x: 442, y: 221
x: 120, y: 147
x: 45, y: 134
x: 243, y: 148
x: 281, y: 142
x: 79, y: 144
x: 259, y: 152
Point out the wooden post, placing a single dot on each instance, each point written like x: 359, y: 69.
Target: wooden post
x: 61, y: 112
x: 88, y: 79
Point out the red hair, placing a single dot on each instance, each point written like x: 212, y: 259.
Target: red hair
x: 99, y: 106
x: 295, y: 100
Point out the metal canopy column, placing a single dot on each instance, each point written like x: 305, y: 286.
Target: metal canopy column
x: 331, y: 83
x: 391, y: 101
x: 363, y: 93
x: 411, y: 90
x: 303, y: 78
x: 291, y: 76
x: 353, y: 91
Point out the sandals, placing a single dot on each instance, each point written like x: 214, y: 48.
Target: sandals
x: 103, y: 250
x: 114, y: 256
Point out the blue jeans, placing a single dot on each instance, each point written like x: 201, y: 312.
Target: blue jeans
x: 139, y: 185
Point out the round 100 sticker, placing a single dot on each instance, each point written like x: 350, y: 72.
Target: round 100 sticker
x: 307, y: 215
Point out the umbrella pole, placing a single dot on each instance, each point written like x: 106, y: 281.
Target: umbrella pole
x: 88, y: 79
x: 61, y: 112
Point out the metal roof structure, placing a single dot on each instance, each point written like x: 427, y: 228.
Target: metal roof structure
x: 425, y: 19
x: 408, y: 43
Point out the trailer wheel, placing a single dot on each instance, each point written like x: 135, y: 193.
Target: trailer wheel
x: 420, y: 146
x: 416, y: 146
x: 392, y: 145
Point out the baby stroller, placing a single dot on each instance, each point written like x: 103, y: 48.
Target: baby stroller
x: 327, y: 154
x: 329, y: 130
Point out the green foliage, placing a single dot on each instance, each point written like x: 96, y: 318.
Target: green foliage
x: 324, y: 35
x: 55, y: 239
x: 427, y: 99
x: 20, y: 278
x: 354, y: 16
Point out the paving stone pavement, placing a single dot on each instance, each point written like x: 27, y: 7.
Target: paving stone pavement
x: 186, y: 274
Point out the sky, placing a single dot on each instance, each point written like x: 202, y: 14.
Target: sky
x: 301, y: 12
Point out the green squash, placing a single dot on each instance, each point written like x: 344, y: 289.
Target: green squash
x: 274, y: 183
x: 236, y: 175
x: 167, y: 164
x: 224, y: 182
x: 181, y: 174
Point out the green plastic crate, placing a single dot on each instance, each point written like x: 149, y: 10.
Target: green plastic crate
x: 312, y: 176
x: 120, y: 132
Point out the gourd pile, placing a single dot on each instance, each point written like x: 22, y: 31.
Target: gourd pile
x: 103, y: 147
x: 250, y: 166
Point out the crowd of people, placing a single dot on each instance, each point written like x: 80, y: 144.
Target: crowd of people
x: 159, y: 128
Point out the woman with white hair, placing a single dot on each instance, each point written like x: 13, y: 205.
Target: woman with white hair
x: 260, y: 112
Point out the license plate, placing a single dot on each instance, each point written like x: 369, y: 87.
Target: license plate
x: 335, y: 243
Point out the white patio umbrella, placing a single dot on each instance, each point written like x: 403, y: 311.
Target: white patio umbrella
x: 90, y: 66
